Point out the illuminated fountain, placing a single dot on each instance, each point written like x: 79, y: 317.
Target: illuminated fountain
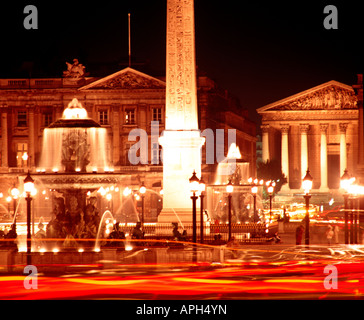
x: 74, y: 165
x: 74, y: 143
x: 233, y: 169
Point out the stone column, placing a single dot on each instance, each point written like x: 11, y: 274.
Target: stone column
x: 343, y: 152
x: 323, y: 157
x: 265, y: 142
x: 4, y: 137
x: 304, y: 148
x: 284, y: 153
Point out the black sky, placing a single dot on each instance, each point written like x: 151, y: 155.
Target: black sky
x: 261, y: 51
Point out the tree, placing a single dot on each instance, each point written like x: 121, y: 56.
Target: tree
x: 272, y: 170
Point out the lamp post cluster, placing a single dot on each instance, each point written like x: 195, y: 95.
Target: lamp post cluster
x: 254, y: 190
x: 197, y: 185
x: 138, y: 194
x: 351, y: 199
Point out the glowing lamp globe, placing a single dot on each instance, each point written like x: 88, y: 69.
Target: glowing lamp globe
x: 143, y: 189
x: 307, y: 182
x: 229, y: 187
x: 346, y: 181
x: 194, y: 183
x: 202, y: 185
x: 15, y: 193
x: 29, y: 184
x: 254, y: 190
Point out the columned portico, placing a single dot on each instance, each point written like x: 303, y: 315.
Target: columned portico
x: 314, y: 129
x: 323, y: 157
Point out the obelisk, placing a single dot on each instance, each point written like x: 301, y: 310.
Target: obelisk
x: 181, y: 140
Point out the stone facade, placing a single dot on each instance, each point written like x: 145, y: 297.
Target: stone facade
x: 120, y: 102
x: 317, y: 129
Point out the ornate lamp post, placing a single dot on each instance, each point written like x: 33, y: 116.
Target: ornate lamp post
x: 307, y: 186
x: 194, y: 187
x: 254, y: 192
x: 202, y: 195
x: 29, y: 189
x: 229, y: 190
x: 142, y: 191
x: 270, y: 192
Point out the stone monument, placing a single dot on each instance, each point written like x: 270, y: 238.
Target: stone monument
x: 181, y: 140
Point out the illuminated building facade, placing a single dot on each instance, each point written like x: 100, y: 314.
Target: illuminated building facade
x: 121, y: 102
x: 320, y: 129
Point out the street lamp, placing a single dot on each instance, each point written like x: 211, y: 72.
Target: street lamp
x: 29, y: 189
x: 194, y: 187
x: 254, y: 192
x: 202, y: 195
x: 307, y: 186
x: 229, y: 190
x: 270, y: 192
x: 142, y: 191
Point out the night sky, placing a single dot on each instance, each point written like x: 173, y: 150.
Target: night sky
x: 261, y: 51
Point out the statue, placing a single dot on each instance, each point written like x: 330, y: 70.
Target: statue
x: 56, y: 227
x: 74, y: 218
x: 92, y: 220
x: 75, y: 70
x: 75, y: 151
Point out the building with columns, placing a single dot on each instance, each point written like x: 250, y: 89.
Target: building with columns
x: 317, y: 129
x: 120, y: 102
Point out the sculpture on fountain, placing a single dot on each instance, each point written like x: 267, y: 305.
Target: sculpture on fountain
x: 75, y: 151
x: 92, y: 220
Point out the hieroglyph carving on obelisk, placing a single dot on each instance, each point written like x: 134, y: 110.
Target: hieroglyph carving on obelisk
x: 181, y: 103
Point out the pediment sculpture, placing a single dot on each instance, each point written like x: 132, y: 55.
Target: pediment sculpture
x: 129, y: 80
x: 332, y: 97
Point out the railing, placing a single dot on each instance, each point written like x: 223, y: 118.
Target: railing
x: 212, y: 233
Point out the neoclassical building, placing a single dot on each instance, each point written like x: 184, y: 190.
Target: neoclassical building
x: 319, y: 129
x: 120, y: 102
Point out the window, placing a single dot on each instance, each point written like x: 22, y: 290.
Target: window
x: 130, y: 116
x: 157, y: 114
x: 103, y: 117
x: 21, y: 155
x: 21, y: 119
x: 47, y: 119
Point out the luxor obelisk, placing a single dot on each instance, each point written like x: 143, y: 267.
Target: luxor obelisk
x: 181, y: 140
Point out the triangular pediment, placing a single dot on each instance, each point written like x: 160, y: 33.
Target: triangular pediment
x: 328, y: 96
x: 127, y: 78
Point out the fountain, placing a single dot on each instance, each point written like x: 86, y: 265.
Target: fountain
x: 233, y: 169
x: 74, y: 143
x: 74, y: 165
x: 102, y: 227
